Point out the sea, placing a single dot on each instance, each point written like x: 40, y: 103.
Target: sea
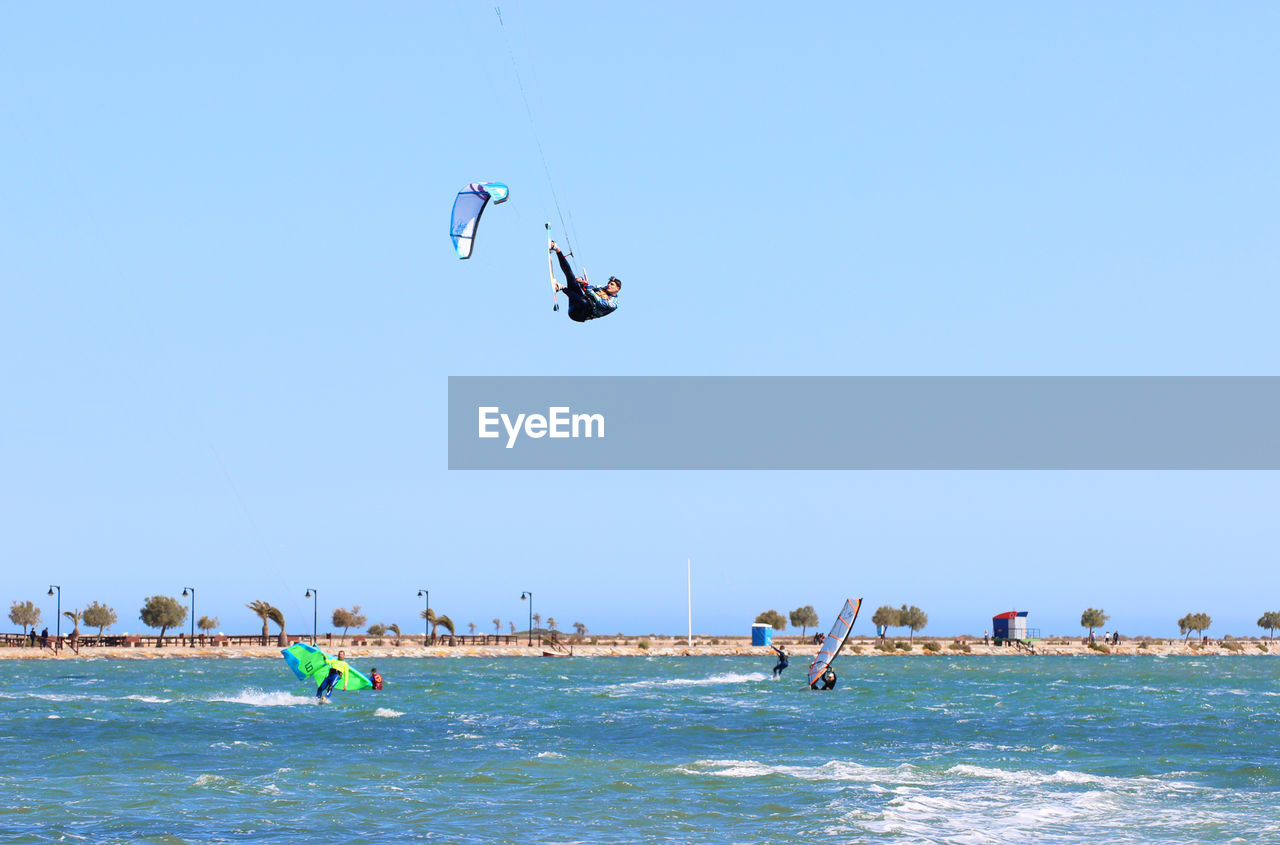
x: 948, y: 749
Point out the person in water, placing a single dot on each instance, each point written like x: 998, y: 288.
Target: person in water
x: 338, y: 668
x: 828, y: 679
x: 783, y: 660
x: 375, y: 678
x: 586, y: 302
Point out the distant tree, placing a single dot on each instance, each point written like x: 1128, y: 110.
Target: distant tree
x: 803, y: 617
x: 99, y: 616
x: 1198, y: 622
x: 580, y: 628
x: 262, y: 610
x: 163, y: 612
x: 24, y: 613
x: 377, y: 630
x: 913, y: 618
x: 1270, y: 620
x: 1093, y: 618
x: 513, y: 626
x: 207, y: 623
x: 436, y: 622
x: 347, y: 619
x: 497, y: 626
x: 537, y: 620
x: 472, y: 626
x: 773, y: 619
x: 276, y: 615
x: 395, y: 629
x: 887, y: 617
x: 551, y: 623
x: 74, y: 637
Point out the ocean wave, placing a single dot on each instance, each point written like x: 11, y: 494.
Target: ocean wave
x: 714, y: 680
x: 387, y: 713
x: 258, y: 698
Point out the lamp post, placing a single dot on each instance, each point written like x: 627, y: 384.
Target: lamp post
x: 529, y: 595
x: 314, y: 595
x: 193, y: 613
x: 58, y: 619
x: 426, y: 616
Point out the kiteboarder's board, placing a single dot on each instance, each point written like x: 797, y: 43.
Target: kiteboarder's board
x: 310, y: 663
x: 552, y: 273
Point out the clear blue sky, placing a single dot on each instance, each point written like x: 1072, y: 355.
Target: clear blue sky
x: 229, y: 305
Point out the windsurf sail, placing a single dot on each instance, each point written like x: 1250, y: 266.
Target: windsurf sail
x: 467, y: 208
x: 835, y: 640
x: 309, y: 663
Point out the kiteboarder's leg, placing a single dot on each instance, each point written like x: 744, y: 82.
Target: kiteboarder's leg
x: 580, y: 308
x: 326, y: 687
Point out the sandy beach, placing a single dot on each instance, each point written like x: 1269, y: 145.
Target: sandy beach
x: 673, y: 647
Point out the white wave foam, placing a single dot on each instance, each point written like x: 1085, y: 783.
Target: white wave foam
x: 258, y: 698
x: 714, y: 680
x: 387, y: 713
x: 837, y: 770
x: 149, y: 699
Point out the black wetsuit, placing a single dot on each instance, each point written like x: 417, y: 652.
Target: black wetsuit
x: 782, y: 663
x: 585, y: 302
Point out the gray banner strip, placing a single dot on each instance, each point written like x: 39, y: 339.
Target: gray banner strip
x: 849, y: 423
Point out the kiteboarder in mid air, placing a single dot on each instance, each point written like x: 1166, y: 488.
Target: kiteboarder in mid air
x: 586, y: 302
x: 783, y: 660
x: 338, y: 668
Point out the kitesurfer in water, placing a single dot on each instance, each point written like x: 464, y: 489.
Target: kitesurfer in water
x: 784, y: 659
x: 375, y: 678
x: 338, y: 668
x: 586, y: 302
x: 828, y: 679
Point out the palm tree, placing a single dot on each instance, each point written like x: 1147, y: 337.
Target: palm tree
x: 276, y: 615
x: 551, y: 623
x: 472, y: 626
x: 537, y: 620
x: 395, y: 629
x: 513, y: 626
x: 580, y: 628
x: 262, y: 610
x: 74, y: 616
x: 497, y: 626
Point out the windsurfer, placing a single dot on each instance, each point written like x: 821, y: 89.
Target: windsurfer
x: 828, y: 679
x: 783, y: 660
x: 586, y: 302
x: 337, y: 669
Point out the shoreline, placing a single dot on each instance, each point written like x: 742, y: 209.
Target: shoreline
x: 664, y: 647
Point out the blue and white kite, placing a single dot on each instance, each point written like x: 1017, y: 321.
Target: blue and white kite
x: 467, y: 208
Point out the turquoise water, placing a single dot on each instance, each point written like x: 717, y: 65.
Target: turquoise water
x: 946, y: 749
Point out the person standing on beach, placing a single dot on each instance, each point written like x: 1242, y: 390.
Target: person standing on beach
x: 337, y: 669
x: 44, y: 639
x: 783, y: 660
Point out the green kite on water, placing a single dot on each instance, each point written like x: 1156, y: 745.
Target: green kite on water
x: 310, y: 663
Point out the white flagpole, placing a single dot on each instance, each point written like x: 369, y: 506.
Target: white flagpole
x: 690, y: 565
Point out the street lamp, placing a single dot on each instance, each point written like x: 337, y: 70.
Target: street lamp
x: 58, y: 620
x: 426, y: 616
x: 529, y: 595
x: 314, y: 595
x: 193, y: 613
